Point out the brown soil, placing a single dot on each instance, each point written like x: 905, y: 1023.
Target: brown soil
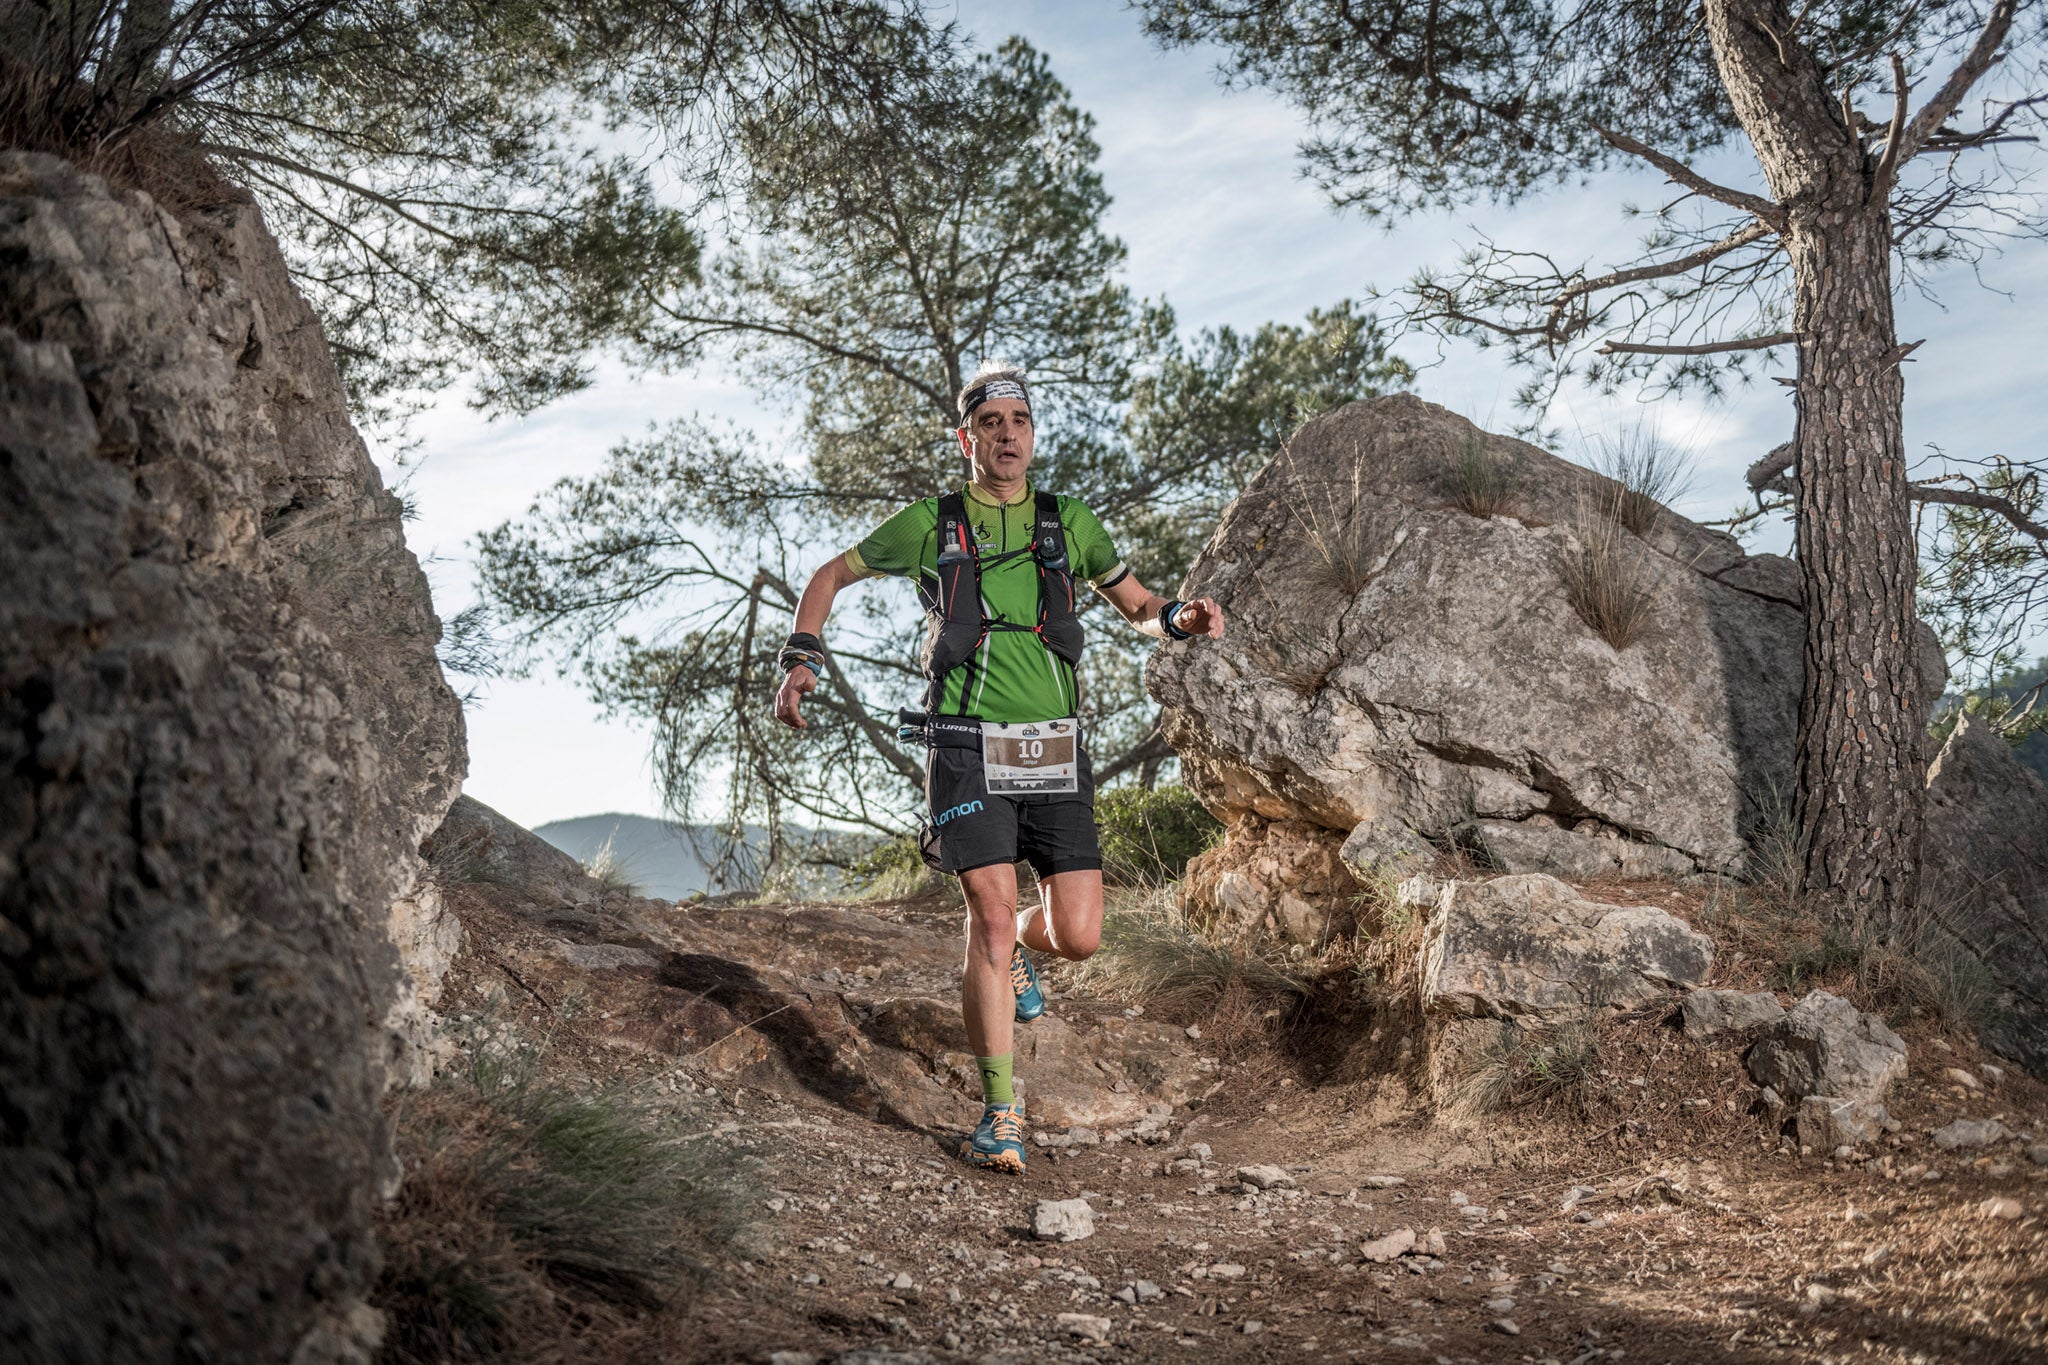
x: 1699, y: 1234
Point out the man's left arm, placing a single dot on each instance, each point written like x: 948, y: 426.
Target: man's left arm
x: 1095, y: 559
x: 1147, y: 611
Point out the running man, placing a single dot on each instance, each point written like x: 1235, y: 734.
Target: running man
x: 1006, y: 775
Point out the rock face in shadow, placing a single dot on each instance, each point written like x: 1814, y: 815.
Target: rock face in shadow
x: 1397, y: 662
x: 225, y: 735
x: 1986, y: 862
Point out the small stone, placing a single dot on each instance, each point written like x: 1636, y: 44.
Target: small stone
x: 1201, y: 1151
x: 1126, y: 1295
x: 1993, y: 1074
x: 1252, y: 1327
x: 902, y: 1281
x: 1505, y: 1326
x: 1226, y: 1270
x: 1970, y: 1133
x: 2000, y: 1207
x: 1265, y: 1177
x: 792, y: 1358
x: 1086, y: 1326
x: 1502, y: 1306
x: 1957, y: 1076
x: 1148, y: 1291
x: 1084, y: 1137
x: 2038, y: 1154
x: 1387, y: 1248
x: 1382, y: 1182
x: 1194, y: 1030
x: 1433, y: 1242
x: 1063, y: 1220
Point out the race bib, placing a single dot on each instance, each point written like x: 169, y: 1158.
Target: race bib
x: 1031, y: 758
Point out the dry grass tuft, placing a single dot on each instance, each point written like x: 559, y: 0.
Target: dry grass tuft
x: 1609, y: 578
x: 608, y: 869
x: 1478, y: 481
x: 536, y: 1223
x: 1518, y: 1066
x: 1351, y: 546
x: 1152, y: 956
x: 1649, y: 472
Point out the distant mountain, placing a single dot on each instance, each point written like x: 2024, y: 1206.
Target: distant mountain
x: 657, y: 856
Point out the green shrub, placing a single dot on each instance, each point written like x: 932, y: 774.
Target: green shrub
x: 1148, y: 836
x: 891, y: 869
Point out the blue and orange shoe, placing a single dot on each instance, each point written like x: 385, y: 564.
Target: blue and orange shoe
x: 997, y: 1143
x: 1024, y: 981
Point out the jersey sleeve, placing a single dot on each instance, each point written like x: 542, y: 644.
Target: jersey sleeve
x: 899, y: 545
x: 1089, y: 548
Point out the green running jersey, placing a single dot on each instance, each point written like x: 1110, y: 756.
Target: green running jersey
x: 1013, y: 676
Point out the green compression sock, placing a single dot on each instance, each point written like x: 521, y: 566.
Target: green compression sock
x: 995, y: 1079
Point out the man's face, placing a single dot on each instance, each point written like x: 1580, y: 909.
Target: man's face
x: 999, y: 439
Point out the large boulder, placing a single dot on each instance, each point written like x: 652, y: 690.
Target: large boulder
x: 1986, y: 870
x: 224, y: 735
x: 1400, y: 664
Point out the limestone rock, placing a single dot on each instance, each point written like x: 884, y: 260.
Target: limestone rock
x: 1824, y: 1122
x: 225, y: 735
x: 1712, y: 1014
x: 1062, y: 1220
x: 1390, y: 1247
x: 1386, y: 848
x: 1826, y: 1046
x: 1985, y: 865
x: 1528, y: 948
x: 475, y: 843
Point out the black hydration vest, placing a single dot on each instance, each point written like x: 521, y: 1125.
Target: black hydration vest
x: 955, y: 621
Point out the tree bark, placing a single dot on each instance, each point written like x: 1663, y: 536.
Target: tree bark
x: 1861, y: 760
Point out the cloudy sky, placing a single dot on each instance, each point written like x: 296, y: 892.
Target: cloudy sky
x: 1210, y: 201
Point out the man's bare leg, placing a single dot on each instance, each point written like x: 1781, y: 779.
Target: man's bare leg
x: 1067, y: 920
x: 988, y: 1006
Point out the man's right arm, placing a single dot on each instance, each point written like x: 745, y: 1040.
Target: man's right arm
x: 811, y: 611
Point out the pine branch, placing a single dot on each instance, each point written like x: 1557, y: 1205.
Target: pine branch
x: 1975, y: 63
x: 1989, y: 502
x: 1703, y: 348
x: 1682, y: 174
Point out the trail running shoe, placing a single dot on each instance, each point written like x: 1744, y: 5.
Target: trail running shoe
x: 1024, y: 981
x: 997, y: 1143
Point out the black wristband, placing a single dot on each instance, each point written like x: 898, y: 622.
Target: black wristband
x: 802, y: 651
x: 1173, y: 632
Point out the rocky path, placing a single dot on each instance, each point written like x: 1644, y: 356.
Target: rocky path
x: 1232, y: 1209
x: 1308, y: 1235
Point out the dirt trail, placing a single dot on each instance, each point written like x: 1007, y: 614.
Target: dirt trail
x: 1654, y: 1218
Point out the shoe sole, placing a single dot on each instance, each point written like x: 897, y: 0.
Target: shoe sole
x: 992, y: 1161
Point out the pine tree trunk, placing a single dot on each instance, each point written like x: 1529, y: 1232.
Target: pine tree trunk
x: 1860, y: 751
x: 1861, y: 756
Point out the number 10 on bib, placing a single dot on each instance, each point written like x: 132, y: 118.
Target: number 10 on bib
x: 1031, y: 758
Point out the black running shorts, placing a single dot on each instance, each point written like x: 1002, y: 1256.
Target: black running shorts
x: 1054, y: 833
